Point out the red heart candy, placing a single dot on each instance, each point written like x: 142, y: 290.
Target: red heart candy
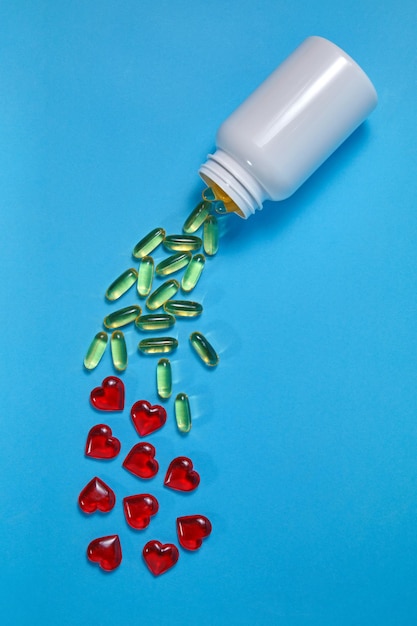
x: 110, y: 396
x: 96, y: 496
x: 181, y: 476
x: 140, y: 460
x: 192, y: 529
x: 106, y: 551
x: 160, y: 557
x: 139, y: 509
x: 147, y: 418
x: 100, y: 443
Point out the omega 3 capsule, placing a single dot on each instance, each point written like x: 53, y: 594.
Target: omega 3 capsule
x: 157, y: 345
x: 163, y: 293
x: 122, y: 284
x: 95, y: 351
x: 118, y: 350
x: 164, y: 378
x: 193, y: 272
x: 182, y: 243
x: 204, y: 349
x: 122, y: 317
x: 151, y: 241
x: 145, y: 276
x: 183, y: 413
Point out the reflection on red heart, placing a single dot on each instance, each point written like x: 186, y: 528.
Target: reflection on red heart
x: 192, y: 529
x: 181, y: 476
x: 110, y: 396
x: 106, y: 551
x: 141, y: 460
x: 160, y: 557
x: 100, y: 443
x: 96, y: 496
x: 147, y: 418
x: 139, y: 509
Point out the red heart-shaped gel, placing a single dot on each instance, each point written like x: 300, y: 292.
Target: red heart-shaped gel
x: 110, y: 396
x: 100, y: 443
x: 106, y: 551
x: 160, y: 557
x: 192, y: 529
x: 139, y: 509
x: 181, y: 476
x: 147, y: 418
x: 96, y: 496
x: 141, y: 460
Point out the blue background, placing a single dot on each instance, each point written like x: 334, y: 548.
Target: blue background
x: 305, y: 436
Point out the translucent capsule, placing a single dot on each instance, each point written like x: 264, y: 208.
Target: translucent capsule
x: 182, y: 243
x: 193, y: 272
x: 122, y: 317
x: 165, y: 291
x: 183, y: 308
x: 122, y: 284
x: 158, y: 345
x: 173, y: 263
x: 118, y: 350
x: 95, y: 351
x: 148, y: 243
x: 183, y: 413
x: 204, y: 349
x: 197, y: 217
x: 164, y: 378
x: 145, y: 276
x: 211, y: 235
x: 208, y: 194
x: 155, y: 321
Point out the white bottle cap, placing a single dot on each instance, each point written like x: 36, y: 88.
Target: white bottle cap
x: 289, y: 125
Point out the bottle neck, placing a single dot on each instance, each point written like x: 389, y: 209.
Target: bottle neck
x: 236, y: 182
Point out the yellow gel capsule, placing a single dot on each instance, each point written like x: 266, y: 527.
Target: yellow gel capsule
x: 173, y: 263
x: 95, y: 351
x: 211, y: 235
x: 183, y: 308
x: 122, y: 317
x: 204, y: 349
x: 193, y: 272
x: 183, y: 413
x: 158, y: 345
x: 197, y: 217
x: 118, y: 350
x: 145, y: 276
x: 148, y: 243
x: 155, y: 321
x: 164, y: 378
x: 165, y: 291
x: 122, y: 284
x: 182, y: 243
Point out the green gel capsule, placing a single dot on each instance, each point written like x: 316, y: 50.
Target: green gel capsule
x: 165, y: 291
x: 173, y: 263
x: 95, y: 351
x: 211, y: 235
x: 204, y: 349
x: 145, y: 276
x: 208, y: 194
x: 156, y: 321
x: 122, y: 316
x: 193, y: 272
x: 158, y: 345
x: 148, y: 243
x: 182, y: 243
x: 122, y: 284
x: 197, y: 217
x: 164, y: 378
x: 183, y: 413
x: 118, y: 350
x: 183, y: 308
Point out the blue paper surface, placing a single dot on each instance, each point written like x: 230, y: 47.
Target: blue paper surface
x: 305, y: 435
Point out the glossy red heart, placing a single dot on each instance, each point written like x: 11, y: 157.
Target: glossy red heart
x: 147, y: 418
x: 101, y: 444
x: 192, y: 529
x: 181, y: 476
x: 139, y: 509
x: 110, y: 396
x: 141, y: 460
x: 96, y: 496
x: 160, y: 557
x: 106, y: 552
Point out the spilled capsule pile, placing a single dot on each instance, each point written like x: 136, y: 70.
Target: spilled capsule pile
x: 163, y: 303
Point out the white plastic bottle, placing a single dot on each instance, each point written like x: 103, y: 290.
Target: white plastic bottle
x: 288, y: 126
